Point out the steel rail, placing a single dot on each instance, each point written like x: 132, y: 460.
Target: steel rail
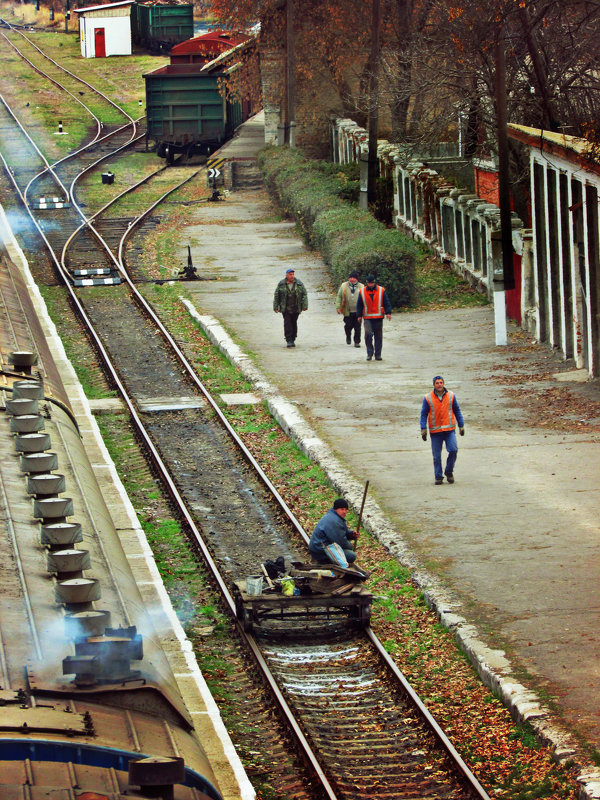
x: 43, y: 158
x: 50, y: 169
x: 427, y: 716
x: 87, y: 221
x: 56, y: 83
x: 68, y: 72
x: 147, y: 308
x: 180, y: 502
x: 411, y: 694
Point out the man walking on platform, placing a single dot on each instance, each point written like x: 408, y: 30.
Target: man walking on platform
x: 346, y: 302
x: 290, y: 300
x: 373, y: 304
x: 440, y: 412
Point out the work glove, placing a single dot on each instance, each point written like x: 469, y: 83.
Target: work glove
x: 461, y: 431
x: 352, y: 535
x: 424, y: 435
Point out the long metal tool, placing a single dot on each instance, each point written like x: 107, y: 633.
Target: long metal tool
x: 362, y: 505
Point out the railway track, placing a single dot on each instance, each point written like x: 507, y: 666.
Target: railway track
x: 361, y: 731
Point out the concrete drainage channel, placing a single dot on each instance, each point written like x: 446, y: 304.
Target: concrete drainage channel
x: 492, y: 665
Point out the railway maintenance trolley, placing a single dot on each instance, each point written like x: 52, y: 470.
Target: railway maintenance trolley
x: 323, y: 591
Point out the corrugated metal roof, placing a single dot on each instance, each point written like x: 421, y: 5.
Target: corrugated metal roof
x: 573, y: 148
x: 212, y: 42
x: 106, y: 5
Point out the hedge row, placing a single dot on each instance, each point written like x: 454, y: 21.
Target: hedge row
x: 349, y: 239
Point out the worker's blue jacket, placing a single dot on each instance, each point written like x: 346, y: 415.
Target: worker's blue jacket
x: 329, y: 529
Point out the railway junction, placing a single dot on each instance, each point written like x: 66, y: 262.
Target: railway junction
x: 515, y: 538
x: 221, y: 487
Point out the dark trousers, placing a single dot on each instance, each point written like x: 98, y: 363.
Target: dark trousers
x: 374, y: 330
x: 351, y: 324
x: 290, y: 325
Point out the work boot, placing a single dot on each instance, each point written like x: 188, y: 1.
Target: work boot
x: 450, y: 478
x: 439, y: 481
x: 377, y: 358
x: 290, y: 343
x: 369, y: 358
x: 356, y: 344
x: 348, y: 340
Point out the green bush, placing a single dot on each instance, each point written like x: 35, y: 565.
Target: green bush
x: 347, y: 177
x: 349, y: 238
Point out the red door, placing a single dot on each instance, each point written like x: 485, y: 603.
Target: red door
x: 99, y: 43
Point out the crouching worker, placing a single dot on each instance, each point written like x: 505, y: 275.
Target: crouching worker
x: 332, y: 529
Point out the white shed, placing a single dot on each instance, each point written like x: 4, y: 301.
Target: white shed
x: 105, y: 30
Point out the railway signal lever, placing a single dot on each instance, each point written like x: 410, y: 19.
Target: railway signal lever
x: 189, y: 271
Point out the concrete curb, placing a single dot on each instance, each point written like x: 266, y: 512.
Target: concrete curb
x: 491, y: 665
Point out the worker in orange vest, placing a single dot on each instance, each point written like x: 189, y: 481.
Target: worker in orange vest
x: 373, y: 305
x: 440, y: 413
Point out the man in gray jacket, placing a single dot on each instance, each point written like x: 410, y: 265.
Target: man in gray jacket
x: 290, y: 300
x: 347, y: 298
x: 332, y: 528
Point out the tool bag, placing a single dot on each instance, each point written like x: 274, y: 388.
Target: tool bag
x: 336, y: 554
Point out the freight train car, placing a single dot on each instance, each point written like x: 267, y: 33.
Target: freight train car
x: 90, y: 705
x: 204, y: 48
x: 186, y: 111
x: 158, y: 26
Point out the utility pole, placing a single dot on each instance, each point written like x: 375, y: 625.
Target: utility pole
x: 507, y: 279
x: 373, y: 100
x: 290, y: 76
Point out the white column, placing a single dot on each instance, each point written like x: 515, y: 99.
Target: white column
x: 500, y: 317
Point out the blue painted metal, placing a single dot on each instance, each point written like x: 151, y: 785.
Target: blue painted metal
x: 103, y: 757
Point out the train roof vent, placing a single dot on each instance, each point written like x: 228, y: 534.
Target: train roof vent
x: 46, y: 485
x: 27, y: 423
x: 33, y: 442
x: 61, y: 533
x: 28, y: 389
x: 23, y: 360
x: 35, y: 463
x: 78, y: 590
x: 53, y: 508
x: 72, y: 560
x: 22, y: 405
x: 82, y: 624
x: 156, y: 776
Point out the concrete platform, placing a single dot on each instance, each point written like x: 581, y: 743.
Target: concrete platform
x: 516, y: 537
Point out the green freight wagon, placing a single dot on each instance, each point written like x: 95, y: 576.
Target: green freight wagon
x: 159, y: 27
x: 185, y: 111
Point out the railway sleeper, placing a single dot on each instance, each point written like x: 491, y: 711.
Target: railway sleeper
x: 357, y: 750
x: 391, y: 768
x: 411, y: 790
x: 348, y: 718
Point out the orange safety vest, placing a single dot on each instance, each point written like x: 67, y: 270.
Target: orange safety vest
x: 373, y: 309
x: 441, y: 415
